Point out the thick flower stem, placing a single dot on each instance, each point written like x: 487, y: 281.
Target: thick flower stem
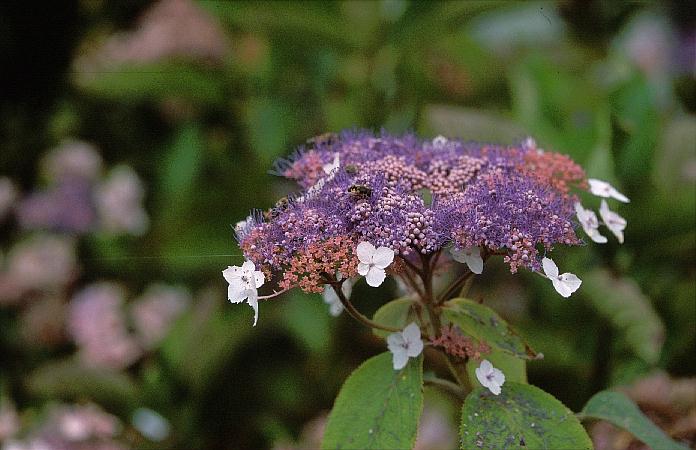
x: 356, y: 314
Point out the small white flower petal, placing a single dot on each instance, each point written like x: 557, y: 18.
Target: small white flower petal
x: 603, y: 189
x: 248, y: 266
x: 383, y: 257
x: 494, y: 388
x: 474, y: 261
x: 613, y: 221
x: 365, y: 252
x: 375, y: 276
x: 396, y: 343
x: 414, y: 348
x: 411, y: 333
x: 231, y: 273
x: 588, y: 221
x: 550, y: 268
x: 363, y: 268
x: 254, y: 303
x: 400, y: 360
x: 235, y: 292
x: 259, y: 278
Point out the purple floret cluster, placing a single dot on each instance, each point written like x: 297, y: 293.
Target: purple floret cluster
x: 414, y: 196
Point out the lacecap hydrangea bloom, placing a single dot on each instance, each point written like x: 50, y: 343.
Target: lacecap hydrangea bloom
x: 376, y: 205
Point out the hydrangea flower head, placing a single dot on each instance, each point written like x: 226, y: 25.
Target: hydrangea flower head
x: 374, y: 203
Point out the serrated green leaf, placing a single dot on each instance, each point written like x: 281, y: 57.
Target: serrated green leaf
x: 484, y: 324
x: 616, y: 408
x: 397, y: 313
x: 522, y: 416
x: 378, y: 407
x: 515, y: 369
x: 620, y: 301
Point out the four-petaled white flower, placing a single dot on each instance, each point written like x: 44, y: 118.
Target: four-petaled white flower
x: 490, y: 377
x: 471, y: 256
x: 565, y: 283
x: 603, y: 189
x: 613, y: 221
x: 589, y: 222
x: 331, y: 298
x: 405, y: 344
x: 332, y: 166
x: 373, y: 262
x: 244, y: 281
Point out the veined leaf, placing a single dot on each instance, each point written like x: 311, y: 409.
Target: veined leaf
x: 378, y: 407
x: 522, y: 416
x: 484, y: 324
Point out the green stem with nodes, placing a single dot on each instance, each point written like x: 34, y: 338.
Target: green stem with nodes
x: 446, y: 385
x: 336, y: 285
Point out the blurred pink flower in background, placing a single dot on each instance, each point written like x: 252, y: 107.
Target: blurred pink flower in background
x: 42, y: 262
x: 155, y: 311
x: 72, y: 159
x: 65, y: 207
x: 169, y: 29
x: 119, y: 202
x: 8, y: 194
x: 72, y: 427
x: 9, y: 420
x: 97, y: 325
x: 435, y: 431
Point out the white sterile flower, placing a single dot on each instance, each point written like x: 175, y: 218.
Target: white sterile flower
x: 330, y: 167
x: 613, y: 221
x: 490, y: 377
x: 331, y: 298
x: 244, y: 281
x: 405, y: 344
x: 471, y: 256
x: 603, y: 189
x: 440, y: 141
x: 589, y: 222
x: 565, y: 283
x: 373, y: 262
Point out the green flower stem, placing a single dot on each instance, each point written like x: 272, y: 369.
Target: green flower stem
x: 445, y: 385
x: 454, y: 286
x: 355, y: 313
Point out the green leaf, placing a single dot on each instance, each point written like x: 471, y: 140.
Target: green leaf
x: 378, y: 407
x: 484, y: 324
x: 156, y: 81
x: 70, y: 380
x: 522, y: 416
x: 180, y: 169
x: 397, y: 313
x: 515, y: 369
x: 470, y: 123
x: 616, y: 408
x: 621, y: 302
x: 307, y: 319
